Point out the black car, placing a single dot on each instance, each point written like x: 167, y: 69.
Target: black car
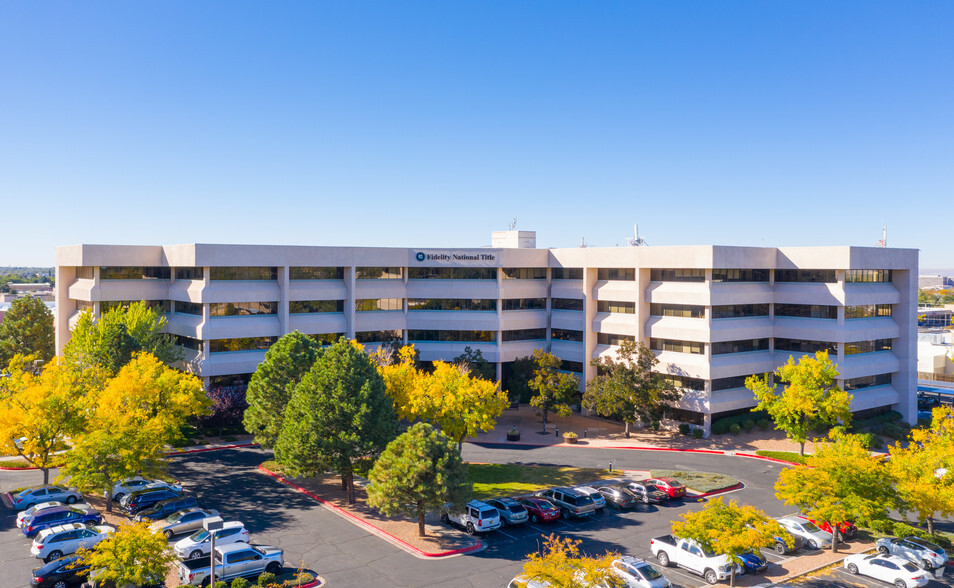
x: 618, y: 496
x: 140, y: 500
x: 161, y: 510
x: 59, y: 573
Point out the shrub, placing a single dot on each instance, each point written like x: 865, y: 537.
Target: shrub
x: 748, y: 425
x: 904, y: 530
x: 221, y: 584
x: 266, y: 579
x: 735, y: 429
x: 697, y: 433
x: 654, y: 425
x: 570, y: 435
x: 764, y: 424
x: 885, y: 526
x: 720, y: 428
x: 683, y: 429
x: 240, y: 583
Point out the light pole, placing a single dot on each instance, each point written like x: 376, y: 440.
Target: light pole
x: 211, y: 525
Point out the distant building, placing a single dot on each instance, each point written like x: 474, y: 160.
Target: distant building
x: 713, y: 314
x: 934, y: 282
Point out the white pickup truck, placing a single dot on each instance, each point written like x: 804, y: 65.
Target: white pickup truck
x: 688, y: 554
x: 232, y: 561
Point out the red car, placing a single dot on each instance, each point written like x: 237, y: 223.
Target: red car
x: 540, y: 509
x: 845, y: 529
x: 668, y: 485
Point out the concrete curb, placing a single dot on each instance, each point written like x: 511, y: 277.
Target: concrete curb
x: 722, y: 491
x: 752, y: 456
x: 26, y: 469
x: 172, y: 453
x: 363, y: 523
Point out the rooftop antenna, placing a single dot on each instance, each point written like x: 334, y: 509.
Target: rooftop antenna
x: 637, y: 241
x: 884, y: 237
x: 582, y: 242
x: 512, y: 224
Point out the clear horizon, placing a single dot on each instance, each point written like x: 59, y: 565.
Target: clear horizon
x: 426, y: 124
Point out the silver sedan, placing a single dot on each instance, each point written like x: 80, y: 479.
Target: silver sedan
x: 184, y: 521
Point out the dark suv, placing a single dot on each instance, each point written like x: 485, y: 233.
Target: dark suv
x: 161, y: 510
x: 140, y: 500
x: 570, y: 502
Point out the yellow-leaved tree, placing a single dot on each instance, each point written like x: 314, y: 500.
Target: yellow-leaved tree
x: 731, y: 529
x: 132, y: 555
x: 923, y: 470
x: 809, y: 398
x: 842, y: 482
x: 39, y: 413
x: 561, y: 564
x: 459, y: 403
x: 131, y: 421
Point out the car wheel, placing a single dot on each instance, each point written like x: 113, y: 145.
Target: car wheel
x: 813, y: 544
x: 470, y: 529
x: 118, y: 497
x: 534, y: 519
x: 781, y: 548
x: 900, y: 584
x: 273, y: 568
x: 70, y: 499
x: 59, y: 584
x: 168, y: 534
x: 883, y: 550
x: 565, y: 513
x: 53, y: 555
x: 444, y: 518
x: 196, y: 554
x: 926, y: 565
x: 852, y: 569
x: 711, y: 577
x: 663, y: 559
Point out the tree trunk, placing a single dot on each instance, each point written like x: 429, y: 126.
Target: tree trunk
x: 930, y: 524
x: 109, y: 498
x: 344, y: 482
x: 544, y: 420
x: 627, y: 429
x: 46, y: 476
x: 732, y: 574
x: 351, y: 498
x: 834, y: 537
x: 801, y: 448
x: 420, y: 518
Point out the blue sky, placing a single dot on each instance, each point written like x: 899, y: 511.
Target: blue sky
x: 434, y: 123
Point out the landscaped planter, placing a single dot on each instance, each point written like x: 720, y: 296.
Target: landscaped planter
x: 513, y: 436
x: 572, y: 440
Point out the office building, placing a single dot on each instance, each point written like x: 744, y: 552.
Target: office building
x: 714, y: 314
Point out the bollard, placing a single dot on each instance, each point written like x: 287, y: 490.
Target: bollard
x: 611, y: 467
x: 557, y: 434
x: 584, y: 433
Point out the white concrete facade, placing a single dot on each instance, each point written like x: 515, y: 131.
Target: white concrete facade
x: 519, y: 311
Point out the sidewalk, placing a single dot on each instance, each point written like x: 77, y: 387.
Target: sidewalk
x: 598, y: 432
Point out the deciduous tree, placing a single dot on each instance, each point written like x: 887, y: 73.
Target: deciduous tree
x: 131, y: 421
x: 111, y: 340
x: 810, y: 397
x: 38, y: 413
x: 923, y: 469
x: 561, y: 563
x: 338, y: 413
x: 132, y: 555
x: 731, y: 529
x: 627, y: 388
x: 842, y: 482
x: 554, y: 389
x: 271, y: 386
x: 420, y: 471
x: 473, y: 360
x: 518, y: 382
x: 27, y: 329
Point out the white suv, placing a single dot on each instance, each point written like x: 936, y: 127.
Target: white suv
x: 55, y: 542
x: 198, y: 544
x: 477, y: 517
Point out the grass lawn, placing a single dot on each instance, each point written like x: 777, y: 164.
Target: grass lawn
x: 513, y: 479
x: 783, y: 455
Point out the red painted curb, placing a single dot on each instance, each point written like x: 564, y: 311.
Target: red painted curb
x: 26, y: 468
x: 769, y: 459
x: 204, y: 449
x: 715, y: 451
x: 363, y: 522
x: 729, y: 489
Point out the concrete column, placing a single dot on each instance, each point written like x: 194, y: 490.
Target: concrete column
x: 905, y: 347
x: 349, y: 278
x: 284, y: 283
x: 65, y: 306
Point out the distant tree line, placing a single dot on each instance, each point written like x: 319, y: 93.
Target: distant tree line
x: 24, y: 275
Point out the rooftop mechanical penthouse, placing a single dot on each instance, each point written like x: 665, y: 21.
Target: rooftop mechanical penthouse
x: 713, y: 314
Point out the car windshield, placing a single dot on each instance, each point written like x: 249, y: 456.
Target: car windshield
x: 648, y: 572
x: 24, y: 492
x: 174, y: 518
x: 650, y: 487
x: 200, y: 536
x: 489, y: 514
x: 810, y: 527
x: 910, y: 567
x: 926, y: 544
x: 517, y: 508
x: 547, y: 504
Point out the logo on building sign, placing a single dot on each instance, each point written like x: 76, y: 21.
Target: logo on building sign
x: 456, y: 257
x: 420, y: 256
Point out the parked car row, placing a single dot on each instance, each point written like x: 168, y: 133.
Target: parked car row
x: 633, y: 571
x: 562, y: 502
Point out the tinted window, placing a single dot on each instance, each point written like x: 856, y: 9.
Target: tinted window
x: 488, y: 514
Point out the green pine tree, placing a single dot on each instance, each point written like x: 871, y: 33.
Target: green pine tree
x: 27, y: 329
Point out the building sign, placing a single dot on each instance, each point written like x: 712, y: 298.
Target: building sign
x: 454, y: 257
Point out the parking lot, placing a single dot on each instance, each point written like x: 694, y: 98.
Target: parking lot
x: 840, y: 578
x: 346, y: 555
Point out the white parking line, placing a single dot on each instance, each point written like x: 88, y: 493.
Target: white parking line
x: 506, y: 534
x: 537, y: 528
